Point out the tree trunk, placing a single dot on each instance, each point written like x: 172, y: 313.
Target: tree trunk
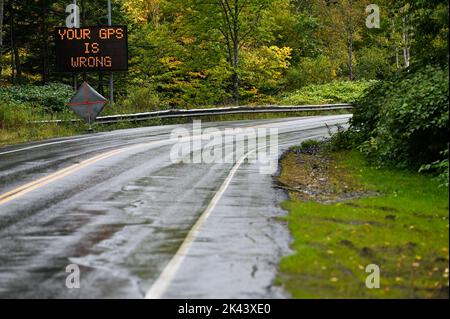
x: 1, y: 34
x: 100, y: 83
x: 17, y: 63
x: 44, y: 54
x: 235, y: 70
x: 395, y: 48
x: 11, y: 36
x: 405, y: 36
x: 75, y: 81
x: 350, y: 57
x: 350, y: 42
x: 83, y: 23
x: 15, y: 56
x: 236, y: 52
x: 236, y: 87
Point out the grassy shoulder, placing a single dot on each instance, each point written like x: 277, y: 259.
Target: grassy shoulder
x: 345, y: 215
x: 16, y: 125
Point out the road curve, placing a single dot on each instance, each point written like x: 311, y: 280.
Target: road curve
x: 139, y: 224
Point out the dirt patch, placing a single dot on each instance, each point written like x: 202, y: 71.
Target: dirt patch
x: 315, y: 176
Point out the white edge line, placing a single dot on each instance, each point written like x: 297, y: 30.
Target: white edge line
x: 159, y: 287
x: 162, y: 282
x: 73, y: 139
x: 87, y: 137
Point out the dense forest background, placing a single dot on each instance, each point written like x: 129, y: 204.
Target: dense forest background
x: 200, y: 53
x: 209, y: 52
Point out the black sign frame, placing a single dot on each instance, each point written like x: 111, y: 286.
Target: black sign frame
x: 66, y: 50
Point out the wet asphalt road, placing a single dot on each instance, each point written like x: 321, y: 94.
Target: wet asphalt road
x: 123, y: 217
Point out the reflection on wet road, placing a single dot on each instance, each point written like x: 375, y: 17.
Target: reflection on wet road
x: 123, y: 218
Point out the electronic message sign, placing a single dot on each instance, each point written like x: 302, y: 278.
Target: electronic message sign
x: 98, y: 48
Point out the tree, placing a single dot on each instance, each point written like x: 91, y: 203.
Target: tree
x: 419, y: 31
x: 236, y: 31
x: 429, y: 23
x: 193, y: 54
x: 342, y: 22
x: 1, y: 34
x: 237, y: 21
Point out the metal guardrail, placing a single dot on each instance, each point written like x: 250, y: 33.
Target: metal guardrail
x: 179, y: 113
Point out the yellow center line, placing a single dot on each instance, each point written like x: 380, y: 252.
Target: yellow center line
x: 24, y: 189
x: 50, y: 176
x: 9, y: 196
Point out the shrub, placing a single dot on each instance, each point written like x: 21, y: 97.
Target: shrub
x: 334, y: 92
x: 49, y: 98
x: 439, y: 168
x: 341, y: 140
x: 404, y: 122
x: 306, y: 144
x: 142, y: 98
x: 310, y: 147
x: 373, y: 63
x: 317, y: 70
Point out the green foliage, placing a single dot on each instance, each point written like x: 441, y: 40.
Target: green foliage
x: 16, y: 124
x: 142, y: 99
x: 430, y: 30
x: 50, y: 98
x: 317, y: 70
x: 334, y: 92
x: 341, y: 140
x: 405, y: 122
x: 262, y: 71
x: 373, y: 63
x: 308, y: 144
x: 190, y: 67
x: 12, y: 116
x: 295, y: 29
x: 440, y: 168
x: 182, y: 47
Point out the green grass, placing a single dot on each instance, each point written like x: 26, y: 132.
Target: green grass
x: 16, y: 125
x: 333, y: 92
x: 404, y: 230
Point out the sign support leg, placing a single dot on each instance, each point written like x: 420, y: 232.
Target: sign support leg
x: 75, y: 83
x: 111, y: 76
x: 111, y: 88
